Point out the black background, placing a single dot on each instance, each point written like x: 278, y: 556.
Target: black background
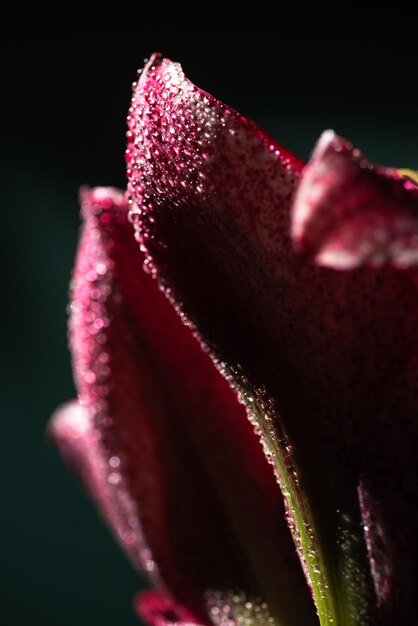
x: 65, y: 92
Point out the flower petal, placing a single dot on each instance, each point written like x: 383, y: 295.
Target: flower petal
x: 204, y: 495
x: 325, y: 361
x: 349, y: 214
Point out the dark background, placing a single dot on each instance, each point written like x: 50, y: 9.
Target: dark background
x: 66, y: 89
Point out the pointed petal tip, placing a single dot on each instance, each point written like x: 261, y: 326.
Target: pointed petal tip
x: 156, y: 58
x: 348, y: 213
x: 187, y: 149
x: 301, y: 207
x: 326, y: 139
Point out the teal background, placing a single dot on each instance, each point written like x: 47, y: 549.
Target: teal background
x: 67, y: 89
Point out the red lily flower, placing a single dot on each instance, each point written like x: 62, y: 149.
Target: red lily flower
x: 325, y: 360
x: 165, y: 448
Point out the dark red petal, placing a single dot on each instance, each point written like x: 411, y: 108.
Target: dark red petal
x: 157, y: 608
x: 204, y: 495
x: 327, y: 360
x: 348, y: 213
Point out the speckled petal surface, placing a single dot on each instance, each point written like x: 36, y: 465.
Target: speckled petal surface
x: 348, y: 213
x: 174, y: 437
x: 326, y: 361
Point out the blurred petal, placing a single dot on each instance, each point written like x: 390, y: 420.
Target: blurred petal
x: 348, y: 213
x: 172, y: 431
x: 325, y: 361
x: 79, y: 442
x: 157, y: 609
